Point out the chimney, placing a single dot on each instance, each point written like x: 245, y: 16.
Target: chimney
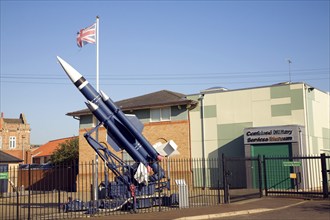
x: 22, y: 117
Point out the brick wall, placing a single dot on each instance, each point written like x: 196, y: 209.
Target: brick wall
x: 86, y: 152
x: 22, y: 133
x: 178, y: 131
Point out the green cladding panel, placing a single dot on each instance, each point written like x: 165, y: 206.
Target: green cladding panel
x: 231, y: 131
x: 326, y: 138
x: 210, y: 111
x: 281, y: 110
x: 279, y: 92
x: 297, y: 99
x: 230, y: 138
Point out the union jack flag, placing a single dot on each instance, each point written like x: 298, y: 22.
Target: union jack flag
x: 86, y: 36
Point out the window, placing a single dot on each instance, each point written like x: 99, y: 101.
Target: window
x: 12, y: 142
x: 0, y: 142
x: 160, y: 114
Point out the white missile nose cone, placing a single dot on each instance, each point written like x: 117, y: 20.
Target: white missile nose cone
x: 73, y: 74
x: 104, y: 96
x: 92, y: 106
x: 59, y: 59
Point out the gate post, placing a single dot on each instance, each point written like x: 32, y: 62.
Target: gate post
x: 324, y: 176
x: 29, y: 198
x: 259, y: 176
x: 219, y: 195
x: 16, y: 170
x: 224, y: 176
x: 265, y: 175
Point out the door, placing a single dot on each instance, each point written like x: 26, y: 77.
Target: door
x: 3, y: 178
x: 278, y: 176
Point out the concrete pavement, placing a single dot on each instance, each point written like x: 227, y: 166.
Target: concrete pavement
x: 251, y: 207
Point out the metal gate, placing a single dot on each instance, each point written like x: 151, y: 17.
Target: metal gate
x: 302, y: 176
x: 242, y: 178
x: 306, y: 176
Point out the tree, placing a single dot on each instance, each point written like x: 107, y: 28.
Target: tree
x: 68, y: 152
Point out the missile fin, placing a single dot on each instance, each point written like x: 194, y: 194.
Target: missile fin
x: 167, y: 149
x: 135, y: 121
x: 113, y: 143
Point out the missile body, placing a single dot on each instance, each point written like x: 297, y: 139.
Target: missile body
x: 121, y: 116
x: 121, y: 140
x: 119, y: 128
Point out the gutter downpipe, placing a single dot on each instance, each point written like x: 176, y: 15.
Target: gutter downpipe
x: 306, y: 121
x: 307, y: 144
x: 201, y: 99
x: 302, y: 153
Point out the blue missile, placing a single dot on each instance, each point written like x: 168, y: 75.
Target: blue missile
x: 119, y: 128
x: 122, y: 117
x: 120, y: 139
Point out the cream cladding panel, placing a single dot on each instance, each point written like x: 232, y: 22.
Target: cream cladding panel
x: 195, y: 126
x: 260, y: 94
x: 225, y: 107
x: 242, y: 106
x: 210, y: 128
x: 261, y: 113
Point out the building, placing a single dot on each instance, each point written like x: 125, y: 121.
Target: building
x: 42, y: 154
x: 163, y: 113
x: 8, y: 172
x: 284, y: 119
x: 15, y: 137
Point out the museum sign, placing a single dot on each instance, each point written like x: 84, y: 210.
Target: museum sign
x: 278, y: 134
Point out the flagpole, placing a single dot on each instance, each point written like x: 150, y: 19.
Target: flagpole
x: 97, y: 54
x: 98, y: 90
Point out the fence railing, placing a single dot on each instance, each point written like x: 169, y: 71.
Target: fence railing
x: 299, y: 175
x: 44, y: 192
x: 69, y: 190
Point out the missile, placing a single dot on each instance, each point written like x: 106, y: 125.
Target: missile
x: 119, y: 113
x: 121, y: 131
x: 120, y: 140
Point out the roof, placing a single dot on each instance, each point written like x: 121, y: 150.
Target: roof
x: 20, y: 120
x: 159, y: 99
x: 212, y: 90
x: 7, y: 158
x: 49, y: 148
x: 163, y: 98
x: 13, y: 120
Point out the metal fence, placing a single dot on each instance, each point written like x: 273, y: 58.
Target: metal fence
x: 299, y: 176
x: 242, y: 177
x: 306, y: 176
x: 44, y: 192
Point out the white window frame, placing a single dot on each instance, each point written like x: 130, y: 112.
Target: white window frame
x: 12, y: 142
x: 161, y: 112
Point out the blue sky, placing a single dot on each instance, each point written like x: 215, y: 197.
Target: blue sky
x: 146, y: 46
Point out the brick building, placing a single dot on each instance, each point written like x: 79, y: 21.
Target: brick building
x: 163, y: 113
x: 42, y: 154
x: 15, y: 137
